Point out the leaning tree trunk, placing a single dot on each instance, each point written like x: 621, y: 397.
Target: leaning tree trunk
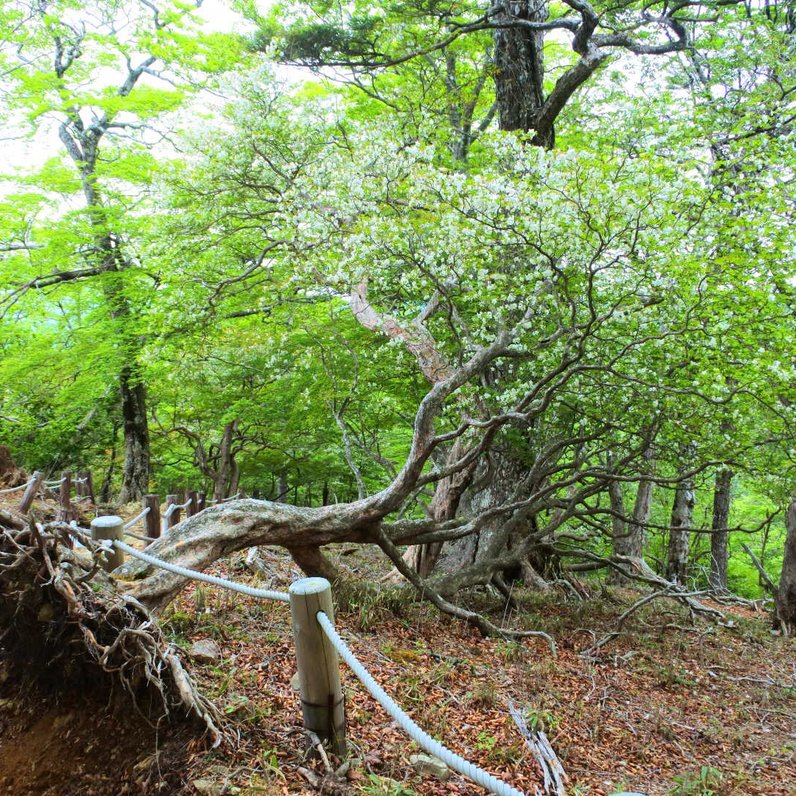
x: 519, y: 67
x: 719, y: 536
x: 680, y: 531
x: 135, y: 477
x: 786, y: 593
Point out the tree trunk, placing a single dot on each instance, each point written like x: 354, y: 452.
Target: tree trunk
x: 519, y: 68
x: 495, y: 483
x: 225, y: 472
x: 444, y: 505
x: 135, y: 478
x: 719, y: 537
x: 629, y: 538
x: 679, y: 535
x: 786, y: 593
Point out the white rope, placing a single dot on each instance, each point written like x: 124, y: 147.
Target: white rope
x: 16, y: 488
x: 420, y: 737
x: 172, y: 507
x: 54, y: 483
x: 194, y: 575
x: 136, y: 519
x: 232, y: 497
x: 139, y: 537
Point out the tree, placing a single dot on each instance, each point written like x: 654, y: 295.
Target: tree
x: 60, y: 74
x: 786, y: 592
x: 367, y: 39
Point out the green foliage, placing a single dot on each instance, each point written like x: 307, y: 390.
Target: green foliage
x: 703, y: 782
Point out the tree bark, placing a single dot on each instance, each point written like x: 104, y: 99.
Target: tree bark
x: 519, y: 68
x: 719, y: 537
x: 680, y: 532
x: 225, y: 470
x: 135, y: 478
x: 786, y: 593
x: 444, y: 505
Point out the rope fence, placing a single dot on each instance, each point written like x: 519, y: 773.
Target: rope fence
x: 317, y: 642
x: 399, y: 716
x: 81, y: 483
x: 320, y: 671
x: 137, y: 518
x: 16, y: 488
x: 241, y: 588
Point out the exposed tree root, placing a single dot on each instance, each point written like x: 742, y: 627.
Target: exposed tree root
x: 63, y: 623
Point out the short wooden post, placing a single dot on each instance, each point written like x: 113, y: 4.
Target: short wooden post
x: 201, y: 501
x: 85, y: 485
x: 152, y: 519
x: 193, y: 505
x: 30, y: 493
x: 64, y: 497
x: 319, y: 672
x: 109, y: 528
x: 173, y: 518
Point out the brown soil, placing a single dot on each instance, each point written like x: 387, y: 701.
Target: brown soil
x: 75, y: 744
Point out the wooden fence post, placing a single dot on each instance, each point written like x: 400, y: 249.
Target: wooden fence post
x: 64, y: 497
x: 85, y: 486
x: 109, y: 528
x: 30, y: 493
x: 201, y: 501
x: 173, y: 518
x: 193, y: 505
x: 152, y: 519
x: 319, y: 672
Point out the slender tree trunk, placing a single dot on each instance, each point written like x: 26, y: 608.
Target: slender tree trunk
x: 786, y: 593
x: 106, y: 488
x: 630, y: 538
x: 719, y: 536
x: 519, y: 67
x: 135, y: 477
x: 680, y: 532
x: 619, y: 532
x: 637, y: 537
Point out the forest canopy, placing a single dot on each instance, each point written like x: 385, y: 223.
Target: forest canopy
x: 507, y: 290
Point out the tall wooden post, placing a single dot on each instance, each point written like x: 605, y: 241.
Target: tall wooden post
x: 319, y: 673
x: 109, y: 528
x: 30, y: 493
x: 173, y: 518
x: 64, y: 497
x: 201, y: 501
x: 152, y: 519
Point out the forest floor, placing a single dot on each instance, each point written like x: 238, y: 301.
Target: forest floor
x: 668, y: 706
